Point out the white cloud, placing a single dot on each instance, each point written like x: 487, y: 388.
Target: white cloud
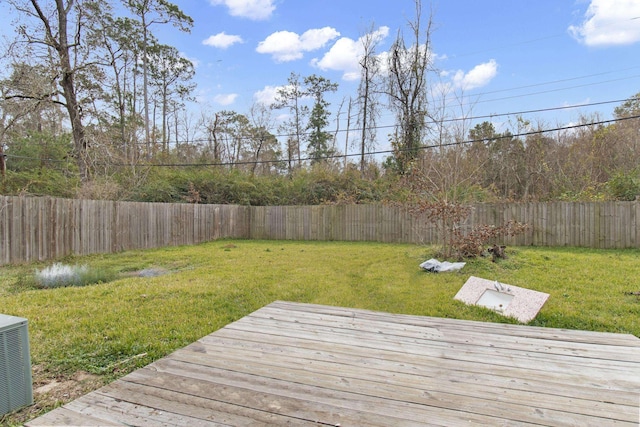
x: 579, y: 104
x: 346, y: 53
x: 478, y: 76
x: 257, y: 10
x: 286, y: 46
x: 282, y: 45
x: 225, y: 99
x: 609, y: 22
x: 222, y: 40
x: 317, y: 38
x: 267, y: 95
x: 343, y: 56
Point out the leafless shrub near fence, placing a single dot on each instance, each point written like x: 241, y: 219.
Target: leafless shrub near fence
x: 474, y: 243
x: 450, y: 219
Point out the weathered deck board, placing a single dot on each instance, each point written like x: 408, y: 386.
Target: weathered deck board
x: 611, y: 356
x: 301, y: 364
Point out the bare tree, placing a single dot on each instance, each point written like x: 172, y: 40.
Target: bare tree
x: 369, y: 91
x: 212, y: 126
x: 407, y: 89
x: 625, y: 135
x: 261, y: 140
x: 290, y: 97
x: 540, y: 150
x: 25, y: 104
x: 185, y: 128
x: 347, y: 130
x: 231, y: 131
x: 443, y: 161
x: 57, y: 35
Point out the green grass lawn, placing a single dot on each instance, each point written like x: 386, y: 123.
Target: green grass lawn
x: 112, y: 328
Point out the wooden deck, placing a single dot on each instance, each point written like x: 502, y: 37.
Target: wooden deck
x: 309, y: 365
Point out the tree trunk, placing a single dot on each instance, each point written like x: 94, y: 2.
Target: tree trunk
x: 365, y: 110
x: 346, y: 138
x: 61, y: 45
x: 165, y: 141
x: 3, y: 165
x: 145, y: 83
x: 73, y: 108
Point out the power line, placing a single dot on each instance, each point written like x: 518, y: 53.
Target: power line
x: 513, y: 89
x: 538, y: 132
x: 557, y: 81
x: 382, y: 152
x: 42, y: 159
x: 540, y: 110
x: 341, y: 156
x: 450, y: 120
x: 555, y: 90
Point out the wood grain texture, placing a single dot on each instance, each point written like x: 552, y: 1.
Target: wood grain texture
x: 38, y: 229
x: 302, y: 364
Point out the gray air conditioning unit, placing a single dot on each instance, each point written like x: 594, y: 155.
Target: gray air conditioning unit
x: 16, y: 389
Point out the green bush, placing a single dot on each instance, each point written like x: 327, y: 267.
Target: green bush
x: 39, y: 182
x: 624, y: 186
x: 38, y: 150
x: 223, y: 186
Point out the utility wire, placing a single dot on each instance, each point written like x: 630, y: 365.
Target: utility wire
x: 513, y: 89
x: 451, y: 120
x: 555, y: 90
x: 381, y: 152
x: 557, y: 81
x: 42, y: 159
x: 341, y: 156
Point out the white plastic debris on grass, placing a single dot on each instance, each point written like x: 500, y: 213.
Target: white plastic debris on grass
x: 435, y: 266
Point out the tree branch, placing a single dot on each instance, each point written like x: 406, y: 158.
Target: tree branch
x: 46, y: 24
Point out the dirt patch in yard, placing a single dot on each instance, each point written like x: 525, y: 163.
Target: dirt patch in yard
x: 51, y: 391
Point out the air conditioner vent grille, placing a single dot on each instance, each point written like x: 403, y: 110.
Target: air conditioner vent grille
x: 15, y: 364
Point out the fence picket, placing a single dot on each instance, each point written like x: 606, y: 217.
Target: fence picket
x: 49, y: 228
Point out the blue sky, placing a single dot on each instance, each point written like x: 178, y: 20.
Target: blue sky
x: 501, y: 56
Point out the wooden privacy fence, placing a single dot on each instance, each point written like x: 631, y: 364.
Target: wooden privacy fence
x: 49, y: 228
x: 591, y: 225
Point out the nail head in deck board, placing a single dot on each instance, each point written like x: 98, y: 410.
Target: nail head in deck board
x: 297, y: 364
